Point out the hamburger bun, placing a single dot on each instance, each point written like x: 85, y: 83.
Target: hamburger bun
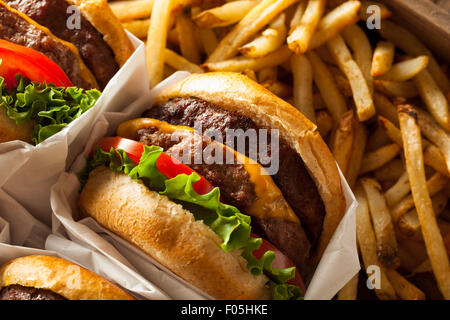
x: 61, y: 277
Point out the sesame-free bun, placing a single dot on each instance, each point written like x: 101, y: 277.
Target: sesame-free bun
x: 237, y: 93
x: 59, y: 276
x: 169, y: 233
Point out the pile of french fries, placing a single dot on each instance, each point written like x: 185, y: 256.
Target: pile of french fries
x: 379, y: 98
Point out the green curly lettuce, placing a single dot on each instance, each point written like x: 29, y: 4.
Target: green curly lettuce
x: 225, y: 220
x: 52, y: 108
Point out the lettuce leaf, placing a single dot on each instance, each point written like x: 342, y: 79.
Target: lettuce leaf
x: 225, y: 220
x: 51, y: 107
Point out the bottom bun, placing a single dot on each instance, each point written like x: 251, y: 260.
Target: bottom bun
x: 169, y: 233
x: 10, y: 131
x: 61, y: 277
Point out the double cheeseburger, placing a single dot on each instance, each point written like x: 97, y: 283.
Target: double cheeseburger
x: 40, y: 277
x: 232, y: 229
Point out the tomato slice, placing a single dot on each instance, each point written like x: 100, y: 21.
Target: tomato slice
x: 281, y: 261
x: 17, y: 59
x: 167, y: 165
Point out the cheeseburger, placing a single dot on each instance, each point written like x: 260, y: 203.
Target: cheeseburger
x: 40, y: 277
x: 235, y: 229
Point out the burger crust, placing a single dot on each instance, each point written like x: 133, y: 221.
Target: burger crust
x: 59, y: 276
x: 103, y: 19
x: 170, y: 234
x: 232, y: 91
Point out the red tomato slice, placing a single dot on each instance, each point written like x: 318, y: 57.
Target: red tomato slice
x: 168, y: 166
x: 281, y: 261
x: 16, y: 59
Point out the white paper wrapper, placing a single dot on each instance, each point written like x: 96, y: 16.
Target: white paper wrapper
x: 32, y: 170
x: 339, y: 263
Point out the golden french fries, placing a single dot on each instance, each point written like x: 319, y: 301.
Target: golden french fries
x: 324, y: 122
x: 303, y: 85
x: 156, y: 43
x: 397, y: 89
x: 356, y: 157
x: 421, y: 195
x: 361, y: 93
x: 376, y: 159
x: 387, y: 248
x: 368, y: 244
x: 302, y: 34
x: 225, y: 15
x: 129, y: 10
x: 179, y: 62
x: 404, y: 289
x: 270, y: 40
x: 342, y: 144
x: 406, y: 70
x: 331, y: 95
x: 383, y: 57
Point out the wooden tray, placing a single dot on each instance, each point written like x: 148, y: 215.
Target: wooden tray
x: 428, y: 19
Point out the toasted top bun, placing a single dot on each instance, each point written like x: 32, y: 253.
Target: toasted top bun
x: 59, y: 276
x: 169, y: 233
x: 103, y: 19
x: 236, y: 92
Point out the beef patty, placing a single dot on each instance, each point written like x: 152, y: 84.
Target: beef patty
x: 18, y: 292
x: 292, y: 177
x: 234, y: 184
x: 54, y: 14
x: 15, y: 29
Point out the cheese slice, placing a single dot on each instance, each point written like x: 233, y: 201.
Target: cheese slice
x: 269, y: 202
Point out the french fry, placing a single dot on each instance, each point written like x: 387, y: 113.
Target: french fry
x: 268, y: 74
x: 362, y: 96
x: 383, y: 57
x: 325, y: 123
x: 350, y: 290
x: 431, y: 157
x: 303, y: 85
x: 189, y: 46
x: 390, y: 171
x: 156, y: 40
x: 331, y: 95
x: 434, y: 185
x: 251, y: 74
x: 342, y: 143
x: 270, y: 40
x: 138, y: 28
x: 256, y: 19
x: 404, y: 289
x: 334, y: 22
x: 406, y: 41
x: 385, y: 108
x: 397, y: 89
x: 367, y: 10
x: 357, y: 40
x: 278, y: 88
x: 180, y: 63
x: 131, y: 10
x: 435, y: 134
x: 225, y: 15
x: 398, y: 191
x: 298, y: 14
x: 409, y: 223
x: 387, y: 248
x: 376, y: 159
x: 356, y: 157
x: 434, y: 98
x: 421, y: 195
x: 239, y: 64
x: 368, y: 244
x: 299, y: 39
x: 406, y: 70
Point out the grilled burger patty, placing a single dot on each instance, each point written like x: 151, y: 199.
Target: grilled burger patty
x: 53, y: 14
x: 18, y: 292
x: 235, y: 188
x: 292, y: 178
x: 17, y: 30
